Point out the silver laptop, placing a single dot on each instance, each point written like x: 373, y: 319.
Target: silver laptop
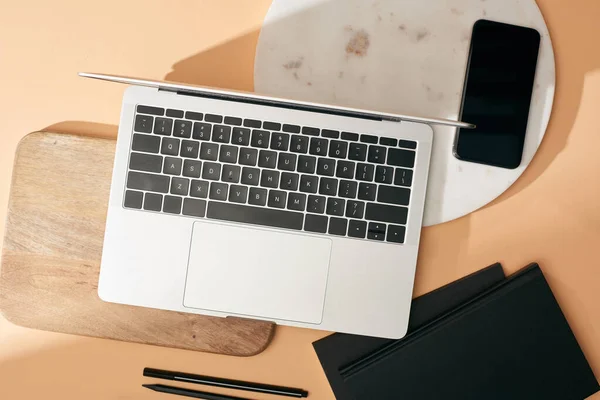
x: 233, y: 204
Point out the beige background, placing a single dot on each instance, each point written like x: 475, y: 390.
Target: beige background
x: 551, y: 215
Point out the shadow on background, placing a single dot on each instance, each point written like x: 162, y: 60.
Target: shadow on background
x: 84, y: 128
x: 574, y: 57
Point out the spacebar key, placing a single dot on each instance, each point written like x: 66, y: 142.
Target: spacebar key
x: 255, y: 215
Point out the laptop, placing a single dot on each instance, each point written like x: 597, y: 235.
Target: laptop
x: 232, y: 204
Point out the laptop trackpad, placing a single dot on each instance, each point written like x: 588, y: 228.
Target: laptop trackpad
x: 257, y: 272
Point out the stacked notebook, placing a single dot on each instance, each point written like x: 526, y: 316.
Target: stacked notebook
x: 482, y: 337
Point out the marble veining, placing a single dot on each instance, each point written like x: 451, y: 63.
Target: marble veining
x: 404, y: 56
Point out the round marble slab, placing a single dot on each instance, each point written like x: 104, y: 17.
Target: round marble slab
x: 404, y: 56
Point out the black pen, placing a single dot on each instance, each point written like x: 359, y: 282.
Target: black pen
x: 191, y: 393
x: 225, y: 383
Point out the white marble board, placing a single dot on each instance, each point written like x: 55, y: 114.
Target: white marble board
x: 404, y: 56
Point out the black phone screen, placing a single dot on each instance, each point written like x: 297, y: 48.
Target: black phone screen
x: 497, y: 93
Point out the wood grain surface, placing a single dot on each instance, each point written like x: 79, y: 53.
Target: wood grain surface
x: 52, y: 249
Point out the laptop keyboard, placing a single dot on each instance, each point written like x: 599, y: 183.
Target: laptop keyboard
x: 270, y: 174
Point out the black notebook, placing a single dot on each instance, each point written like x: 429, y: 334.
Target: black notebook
x: 340, y: 349
x: 511, y: 342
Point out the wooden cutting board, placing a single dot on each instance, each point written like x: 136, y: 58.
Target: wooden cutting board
x: 52, y: 248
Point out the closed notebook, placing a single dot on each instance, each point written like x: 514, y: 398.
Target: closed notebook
x: 511, y: 342
x: 340, y: 349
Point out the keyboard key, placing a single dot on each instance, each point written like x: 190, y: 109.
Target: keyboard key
x: 307, y: 130
x: 172, y: 204
x: 407, y: 144
x: 269, y: 179
x: 146, y: 143
x: 376, y: 231
x: 355, y: 209
x: 209, y: 151
x: 280, y: 141
x: 318, y: 146
x: 309, y: 183
x: 180, y: 186
x: 364, y: 172
x: 255, y: 215
x: 393, y: 195
x: 345, y: 169
x: 286, y: 162
x: 388, y: 141
x: 199, y: 189
x: 260, y: 139
x: 174, y: 113
x: 328, y: 133
x: 182, y: 128
x: 201, y: 131
x: 153, y: 202
x: 386, y: 213
x: 299, y: 144
x: 316, y: 204
x: 272, y: 126
x: 213, y: 118
x: 228, y: 154
x: 133, y: 199
x: 250, y: 176
x: 162, y: 126
x: 258, y: 196
x: 143, y: 123
x: 328, y: 186
x: 326, y: 167
x: 267, y: 159
x: 315, y: 223
x: 338, y: 149
x: 338, y: 226
x: 145, y: 162
x: 147, y: 182
x: 352, y: 137
x: 291, y: 128
x: 296, y: 201
x: 194, y: 115
x: 357, y: 229
x: 172, y: 166
x: 347, y: 189
x: 277, y: 198
x: 252, y: 123
x: 289, y: 181
x: 194, y: 207
x: 238, y: 194
x: 368, y: 139
x: 403, y: 177
x: 384, y: 174
x: 335, y: 206
x: 241, y: 136
x: 151, y: 110
x: 233, y: 121
x: 218, y: 191
x: 358, y: 152
x: 189, y: 148
x: 248, y: 156
x: 221, y: 133
x: 231, y: 173
x: 307, y: 164
x: 192, y: 168
x: 401, y: 158
x: 170, y: 147
x: 366, y: 191
x: 211, y: 171
x: 396, y: 233
x: 377, y: 154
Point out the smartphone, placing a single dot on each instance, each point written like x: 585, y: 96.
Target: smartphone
x: 497, y: 94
